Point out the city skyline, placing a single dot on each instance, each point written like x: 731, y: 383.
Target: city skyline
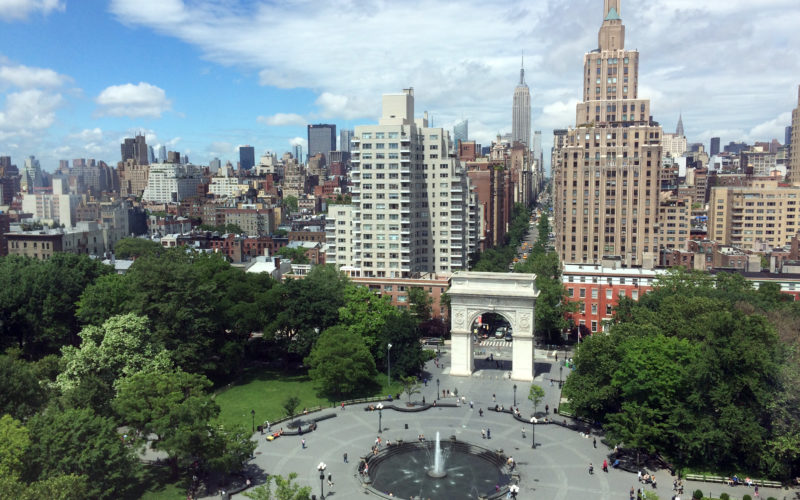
x: 208, y: 78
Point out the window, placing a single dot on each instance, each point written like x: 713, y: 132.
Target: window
x: 609, y: 293
x: 582, y: 293
x: 594, y: 293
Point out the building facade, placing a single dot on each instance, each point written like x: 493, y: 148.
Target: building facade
x: 172, y: 182
x: 606, y: 185
x: 521, y: 112
x: 247, y: 157
x: 321, y: 139
x: 794, y: 164
x: 412, y: 203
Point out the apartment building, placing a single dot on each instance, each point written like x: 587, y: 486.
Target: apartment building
x: 607, y: 182
x: 761, y: 212
x: 413, y: 210
x: 172, y: 182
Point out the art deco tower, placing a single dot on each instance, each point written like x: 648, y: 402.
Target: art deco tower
x: 794, y: 164
x: 521, y: 112
x: 606, y: 184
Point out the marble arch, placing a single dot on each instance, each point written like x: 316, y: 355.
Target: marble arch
x: 511, y: 295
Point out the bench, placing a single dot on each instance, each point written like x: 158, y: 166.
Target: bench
x: 767, y: 484
x: 708, y: 479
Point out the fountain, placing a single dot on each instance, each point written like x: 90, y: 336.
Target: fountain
x: 437, y: 471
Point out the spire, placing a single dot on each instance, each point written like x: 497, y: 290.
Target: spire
x: 679, y: 129
x: 522, y: 70
x: 612, y: 10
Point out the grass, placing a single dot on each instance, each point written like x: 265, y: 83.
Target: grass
x: 265, y: 390
x: 161, y: 485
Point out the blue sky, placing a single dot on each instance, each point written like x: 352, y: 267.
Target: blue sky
x: 203, y: 77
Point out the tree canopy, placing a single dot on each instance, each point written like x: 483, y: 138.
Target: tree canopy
x: 696, y: 371
x: 340, y: 364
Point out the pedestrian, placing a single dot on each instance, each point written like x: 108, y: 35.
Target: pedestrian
x: 480, y: 412
x: 442, y: 392
x: 483, y: 433
x: 303, y: 443
x: 594, y: 442
x: 523, y: 432
x: 591, y: 468
x: 551, y: 382
x: 494, y: 398
x: 632, y: 493
x: 342, y: 405
x: 547, y: 409
x: 330, y: 481
x: 605, y: 465
x: 756, y: 491
x: 470, y: 404
x: 268, y: 425
x: 488, y: 433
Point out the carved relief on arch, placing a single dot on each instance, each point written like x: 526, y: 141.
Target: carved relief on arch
x: 460, y: 318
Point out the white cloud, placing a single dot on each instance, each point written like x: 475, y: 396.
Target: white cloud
x: 685, y: 54
x: 281, y: 119
x: 27, y: 77
x: 29, y: 111
x: 134, y: 101
x: 298, y: 141
x: 21, y: 9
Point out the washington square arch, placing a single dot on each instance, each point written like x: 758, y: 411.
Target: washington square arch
x: 513, y: 296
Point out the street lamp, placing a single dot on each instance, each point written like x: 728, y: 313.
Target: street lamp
x: 560, y: 376
x: 389, y: 359
x: 533, y: 432
x: 253, y: 414
x: 321, y: 468
x: 437, y: 389
x: 515, y: 394
x: 380, y: 416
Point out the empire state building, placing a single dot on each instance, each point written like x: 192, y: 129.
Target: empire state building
x: 521, y: 112
x: 606, y: 183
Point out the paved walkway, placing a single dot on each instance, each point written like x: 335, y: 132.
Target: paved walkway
x: 557, y: 469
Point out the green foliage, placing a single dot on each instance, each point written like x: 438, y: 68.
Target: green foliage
x: 14, y: 442
x: 228, y: 450
x: 37, y: 301
x: 64, y: 487
x: 124, y: 345
x: 419, y: 303
x: 290, y: 202
x: 80, y: 442
x: 199, y: 307
x: 296, y: 255
x: 402, y: 332
x: 132, y: 248
x: 697, y: 495
x: 290, y: 405
x: 175, y: 406
x: 340, y: 363
x: 536, y: 395
x: 724, y: 496
x: 497, y: 259
x: 22, y: 385
x: 747, y: 497
x: 285, y: 489
x: 411, y: 386
x: 695, y: 371
x: 366, y: 314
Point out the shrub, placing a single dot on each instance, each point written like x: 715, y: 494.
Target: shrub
x: 747, y: 497
x: 724, y: 496
x: 772, y: 498
x: 697, y: 495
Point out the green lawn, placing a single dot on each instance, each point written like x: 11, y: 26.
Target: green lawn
x: 265, y: 391
x: 161, y: 487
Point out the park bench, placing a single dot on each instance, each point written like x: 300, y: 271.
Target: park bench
x: 708, y: 479
x: 767, y: 484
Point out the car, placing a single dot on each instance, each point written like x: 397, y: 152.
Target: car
x: 500, y: 332
x: 509, y: 337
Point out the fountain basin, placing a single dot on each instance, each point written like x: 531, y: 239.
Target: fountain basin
x: 470, y: 472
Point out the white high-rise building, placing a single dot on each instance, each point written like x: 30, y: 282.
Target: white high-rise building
x: 172, y: 182
x: 461, y: 132
x: 413, y: 208
x: 521, y: 112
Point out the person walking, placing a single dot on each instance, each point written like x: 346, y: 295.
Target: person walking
x: 633, y: 493
x: 488, y: 433
x: 483, y: 433
x: 345, y: 457
x: 547, y: 409
x: 494, y: 398
x: 523, y: 432
x: 605, y: 466
x: 480, y: 412
x: 591, y: 468
x: 330, y: 480
x: 594, y: 442
x: 303, y: 443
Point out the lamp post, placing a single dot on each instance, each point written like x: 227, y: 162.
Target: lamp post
x: 380, y: 416
x: 389, y: 360
x: 515, y: 394
x: 533, y: 432
x: 560, y: 376
x: 321, y: 468
x: 253, y: 414
x: 437, y: 389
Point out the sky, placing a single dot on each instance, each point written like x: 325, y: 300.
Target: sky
x: 204, y: 77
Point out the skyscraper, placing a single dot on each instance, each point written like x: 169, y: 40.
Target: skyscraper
x: 714, y: 149
x: 298, y: 152
x: 162, y: 154
x: 345, y: 136
x: 461, y: 132
x: 321, y: 139
x: 606, y: 184
x: 247, y: 157
x: 794, y: 172
x: 521, y: 112
x: 403, y: 224
x: 151, y: 155
x: 135, y: 149
x: 679, y: 128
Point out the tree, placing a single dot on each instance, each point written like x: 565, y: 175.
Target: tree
x: 290, y: 405
x: 14, y: 441
x: 536, y: 395
x: 285, y: 489
x: 296, y: 255
x: 229, y: 450
x: 366, y: 314
x: 64, y: 487
x: 22, y: 388
x: 132, y: 248
x: 419, y: 302
x: 80, y: 442
x: 124, y: 345
x: 402, y: 332
x: 341, y: 365
x: 410, y: 386
x: 175, y: 406
x: 290, y: 202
